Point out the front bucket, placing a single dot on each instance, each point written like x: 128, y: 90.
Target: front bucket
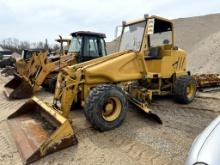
x: 39, y: 130
x: 18, y: 88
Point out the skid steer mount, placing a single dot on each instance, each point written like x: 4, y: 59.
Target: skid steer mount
x: 39, y: 130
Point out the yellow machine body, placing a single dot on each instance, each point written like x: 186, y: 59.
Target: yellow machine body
x: 113, y: 77
x: 21, y: 67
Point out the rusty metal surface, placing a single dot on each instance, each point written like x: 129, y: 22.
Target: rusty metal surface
x: 28, y: 135
x: 32, y: 129
x: 207, y: 80
x: 18, y: 88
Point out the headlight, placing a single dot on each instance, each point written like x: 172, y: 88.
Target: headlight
x: 200, y: 163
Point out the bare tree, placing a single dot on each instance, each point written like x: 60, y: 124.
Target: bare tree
x: 15, y: 45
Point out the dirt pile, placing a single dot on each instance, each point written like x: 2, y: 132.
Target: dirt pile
x: 112, y: 46
x: 205, y: 57
x: 190, y: 31
x: 200, y: 37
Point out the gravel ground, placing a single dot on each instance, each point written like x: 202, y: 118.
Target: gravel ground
x: 140, y: 140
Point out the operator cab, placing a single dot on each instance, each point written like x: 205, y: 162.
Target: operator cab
x: 27, y: 54
x: 87, y: 45
x: 160, y: 35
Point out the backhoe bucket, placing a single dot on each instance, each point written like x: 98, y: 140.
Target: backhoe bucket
x: 38, y: 129
x: 18, y: 88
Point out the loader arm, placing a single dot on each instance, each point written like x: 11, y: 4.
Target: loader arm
x: 35, y: 62
x: 69, y: 73
x: 81, y: 78
x: 22, y: 86
x: 47, y: 68
x: 39, y: 68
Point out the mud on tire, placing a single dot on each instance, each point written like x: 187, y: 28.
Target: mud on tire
x: 184, y: 89
x: 106, y: 107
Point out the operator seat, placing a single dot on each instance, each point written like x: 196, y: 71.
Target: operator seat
x: 154, y: 53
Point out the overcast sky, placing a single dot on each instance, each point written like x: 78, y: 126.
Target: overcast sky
x: 35, y: 20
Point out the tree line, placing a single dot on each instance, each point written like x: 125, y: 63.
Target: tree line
x: 15, y: 45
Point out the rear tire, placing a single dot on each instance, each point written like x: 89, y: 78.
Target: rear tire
x: 184, y: 89
x: 106, y: 107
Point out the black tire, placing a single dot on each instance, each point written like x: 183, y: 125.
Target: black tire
x: 180, y: 93
x: 99, y: 98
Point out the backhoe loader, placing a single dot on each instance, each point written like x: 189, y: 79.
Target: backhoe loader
x: 42, y: 70
x: 21, y: 65
x: 148, y: 63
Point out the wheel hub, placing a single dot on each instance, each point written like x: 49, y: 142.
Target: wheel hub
x: 190, y: 90
x: 112, y: 109
x: 108, y: 109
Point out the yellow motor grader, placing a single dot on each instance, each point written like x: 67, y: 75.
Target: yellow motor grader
x: 42, y: 70
x: 148, y: 63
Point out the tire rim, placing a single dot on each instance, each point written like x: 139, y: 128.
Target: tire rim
x: 190, y: 90
x: 112, y: 109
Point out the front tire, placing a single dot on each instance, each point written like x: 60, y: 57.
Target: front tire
x: 106, y: 107
x: 184, y: 89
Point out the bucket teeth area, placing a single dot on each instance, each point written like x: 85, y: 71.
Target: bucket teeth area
x: 38, y: 131
x: 18, y: 88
